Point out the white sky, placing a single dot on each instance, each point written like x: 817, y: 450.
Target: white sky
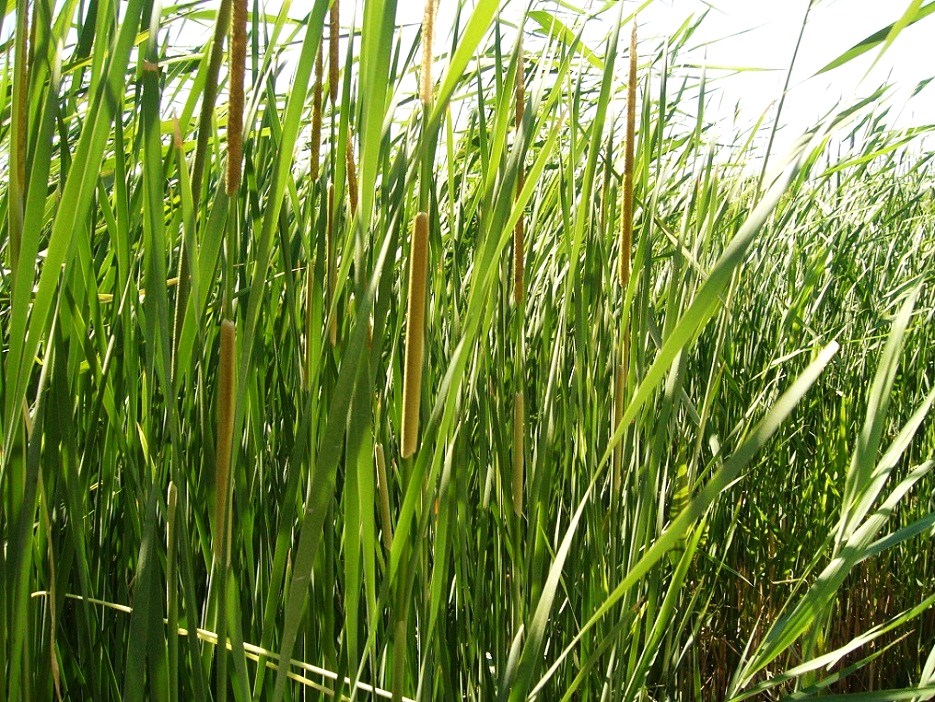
x: 762, y: 34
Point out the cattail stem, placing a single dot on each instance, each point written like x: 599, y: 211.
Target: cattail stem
x: 316, y: 116
x: 238, y: 67
x: 332, y: 265
x: 399, y: 656
x: 172, y: 614
x: 519, y: 444
x: 415, y: 331
x: 605, y: 184
x: 226, y: 381
x: 209, y: 98
x: 309, y: 307
x: 626, y: 231
x: 520, y: 92
x: 519, y: 265
x: 519, y: 291
x: 428, y: 33
x: 620, y: 385
x: 184, y: 269
x: 383, y: 486
x: 626, y: 244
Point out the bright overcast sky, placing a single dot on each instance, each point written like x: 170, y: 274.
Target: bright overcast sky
x: 762, y: 34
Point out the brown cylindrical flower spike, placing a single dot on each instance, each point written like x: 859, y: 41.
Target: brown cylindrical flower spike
x: 351, y: 177
x: 238, y: 67
x: 316, y: 115
x: 428, y: 31
x: 334, y: 51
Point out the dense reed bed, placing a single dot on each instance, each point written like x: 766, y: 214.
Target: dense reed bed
x: 451, y: 362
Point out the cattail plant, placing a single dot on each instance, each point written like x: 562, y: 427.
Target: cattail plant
x: 224, y: 488
x: 208, y: 99
x: 415, y: 331
x: 418, y: 265
x: 226, y: 367
x: 626, y: 245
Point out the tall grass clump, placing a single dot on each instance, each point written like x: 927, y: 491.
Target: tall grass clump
x: 309, y: 355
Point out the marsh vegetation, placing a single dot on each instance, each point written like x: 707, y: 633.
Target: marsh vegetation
x: 452, y: 362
